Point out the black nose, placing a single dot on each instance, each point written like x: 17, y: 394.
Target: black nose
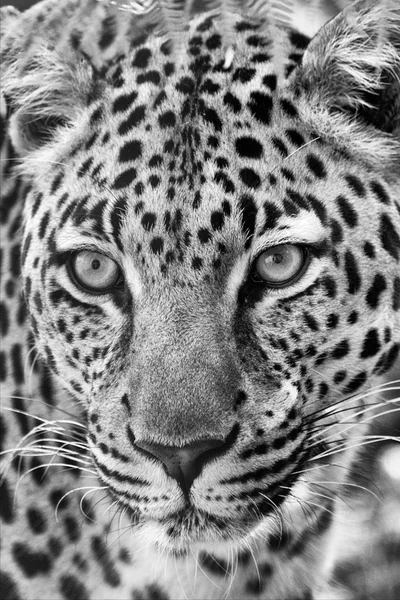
x: 183, y: 463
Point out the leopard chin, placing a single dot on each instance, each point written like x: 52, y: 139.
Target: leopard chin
x: 194, y: 530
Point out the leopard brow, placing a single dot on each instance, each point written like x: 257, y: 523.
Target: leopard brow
x: 278, y: 165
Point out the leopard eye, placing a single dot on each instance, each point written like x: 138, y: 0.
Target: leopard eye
x: 94, y: 271
x: 281, y: 265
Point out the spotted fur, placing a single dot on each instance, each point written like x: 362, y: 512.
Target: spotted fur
x: 183, y: 173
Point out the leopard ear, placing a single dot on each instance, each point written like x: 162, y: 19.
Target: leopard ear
x: 45, y: 94
x: 49, y: 74
x: 348, y: 84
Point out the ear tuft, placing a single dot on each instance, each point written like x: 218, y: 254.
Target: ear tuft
x: 349, y: 81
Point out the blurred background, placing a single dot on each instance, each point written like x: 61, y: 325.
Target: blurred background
x: 372, y: 571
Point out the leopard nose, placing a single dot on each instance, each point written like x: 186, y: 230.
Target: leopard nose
x: 183, y: 463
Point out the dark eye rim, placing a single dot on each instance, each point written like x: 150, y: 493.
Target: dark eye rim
x: 255, y: 278
x: 77, y: 282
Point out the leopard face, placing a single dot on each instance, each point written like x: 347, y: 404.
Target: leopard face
x: 214, y: 279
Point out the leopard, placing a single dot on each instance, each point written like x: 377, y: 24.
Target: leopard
x: 200, y: 254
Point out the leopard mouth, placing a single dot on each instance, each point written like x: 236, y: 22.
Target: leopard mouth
x: 192, y: 526
x: 178, y: 530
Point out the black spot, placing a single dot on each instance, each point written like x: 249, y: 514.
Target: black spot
x: 341, y: 349
x: 91, y: 141
x: 337, y: 232
x: 323, y: 390
x: 154, y: 181
x: 6, y: 502
x: 210, y: 87
x: 332, y: 321
x: 272, y: 215
x: 204, y: 235
x: 167, y: 119
x: 318, y: 207
x: 17, y: 365
x: 295, y: 137
x: 280, y: 146
x: 311, y: 322
x: 15, y: 254
x: 353, y: 317
x: 249, y: 214
x: 37, y: 203
x: 391, y: 357
x: 356, y: 383
x: 108, y: 31
x: 155, y: 161
x: 58, y: 499
x: 116, y: 78
x: 217, y: 220
x: 288, y: 174
x: 339, y: 377
x: 232, y: 102
x: 243, y: 74
x: 130, y: 151
x: 380, y: 192
x: 278, y: 541
x: 36, y: 520
x: 72, y: 529
x: 142, y: 58
x: 396, y: 293
x: 211, y: 116
x: 352, y: 273
x: 149, y: 77
x: 260, y: 57
x: 250, y: 178
x: 371, y: 345
x: 260, y: 106
x: 240, y: 399
x: 96, y: 115
x: 389, y: 237
x: 374, y: 292
x: 249, y: 147
x: 124, y: 102
x: 159, y: 99
x: 316, y: 166
x: 213, y: 42
x: 149, y: 221
x: 222, y: 162
x: 356, y: 185
x: 118, y: 216
x: 223, y: 179
x: 369, y: 250
x: 139, y: 188
x: 3, y: 366
x: 56, y: 182
x: 8, y: 587
x: 213, y: 141
x: 347, y: 212
x: 270, y: 81
x: 288, y: 108
x: 299, y: 39
x: 101, y: 554
x: 124, y: 179
x: 169, y: 69
x: 157, y: 245
x: 31, y: 562
x: 133, y: 120
x: 186, y: 85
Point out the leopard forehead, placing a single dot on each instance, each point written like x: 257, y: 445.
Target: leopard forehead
x: 193, y: 165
